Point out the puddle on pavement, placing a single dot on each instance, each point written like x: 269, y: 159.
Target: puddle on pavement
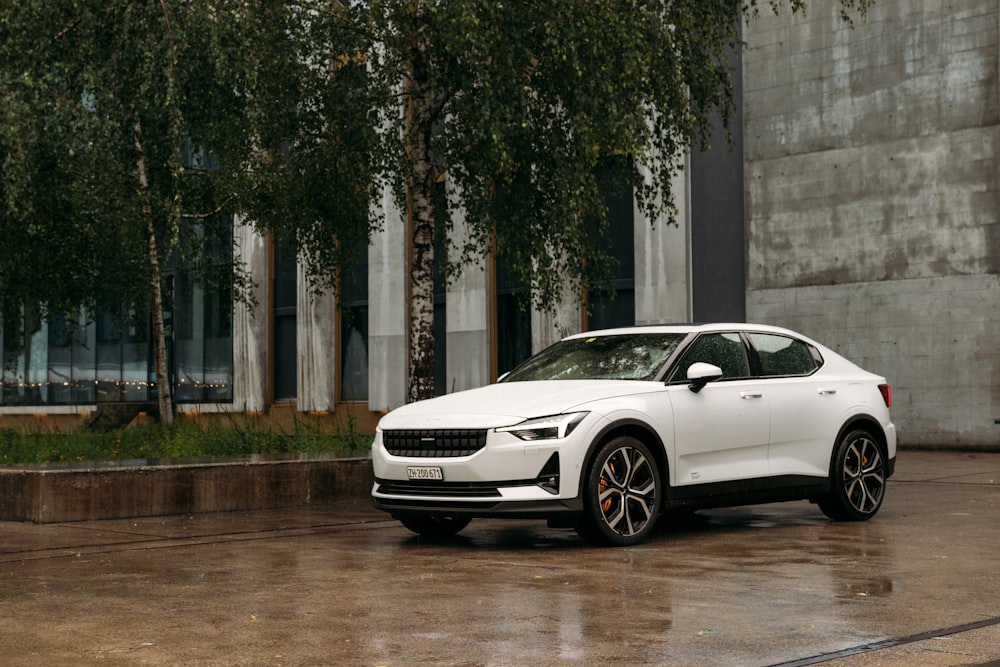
x: 870, y: 588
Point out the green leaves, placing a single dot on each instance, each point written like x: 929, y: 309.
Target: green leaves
x: 296, y: 115
x: 77, y: 77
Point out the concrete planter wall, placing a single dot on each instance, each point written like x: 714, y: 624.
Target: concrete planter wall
x: 54, y: 493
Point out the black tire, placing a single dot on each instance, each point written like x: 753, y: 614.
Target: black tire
x: 621, y: 495
x: 857, y: 478
x: 435, y: 527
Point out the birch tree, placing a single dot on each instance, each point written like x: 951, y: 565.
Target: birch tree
x: 517, y: 104
x: 118, y: 118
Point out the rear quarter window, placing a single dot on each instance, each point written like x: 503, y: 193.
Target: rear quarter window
x: 783, y: 355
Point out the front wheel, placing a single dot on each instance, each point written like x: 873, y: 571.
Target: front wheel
x: 621, y: 494
x: 857, y: 479
x: 435, y: 527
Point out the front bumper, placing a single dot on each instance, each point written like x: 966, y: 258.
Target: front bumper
x: 496, y: 508
x: 503, y: 476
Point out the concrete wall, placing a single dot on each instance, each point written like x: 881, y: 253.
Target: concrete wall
x: 316, y: 316
x: 662, y: 263
x: 873, y: 212
x: 718, y: 239
x: 467, y: 322
x: 54, y: 493
x: 251, y: 330
x: 387, y: 306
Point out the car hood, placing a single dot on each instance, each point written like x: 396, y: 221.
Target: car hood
x: 509, y: 403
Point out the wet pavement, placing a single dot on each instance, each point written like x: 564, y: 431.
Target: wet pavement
x: 344, y: 585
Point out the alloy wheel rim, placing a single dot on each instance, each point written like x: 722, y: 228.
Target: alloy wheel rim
x: 864, y: 476
x: 627, y: 491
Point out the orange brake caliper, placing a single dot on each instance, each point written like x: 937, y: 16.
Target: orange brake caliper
x: 606, y: 505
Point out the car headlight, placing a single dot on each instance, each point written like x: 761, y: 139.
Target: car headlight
x: 546, y: 428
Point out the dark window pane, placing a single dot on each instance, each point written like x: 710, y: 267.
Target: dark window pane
x: 513, y: 331
x: 285, y: 316
x: 513, y: 319
x: 84, y: 364
x: 614, y: 310
x: 353, y: 306
x: 781, y: 355
x: 613, y: 304
x: 440, y: 348
x: 284, y: 357
x: 723, y: 350
x: 354, y: 353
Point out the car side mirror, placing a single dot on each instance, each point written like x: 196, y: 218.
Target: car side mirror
x: 700, y: 374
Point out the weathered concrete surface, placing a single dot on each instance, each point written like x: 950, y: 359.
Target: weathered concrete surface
x: 315, y: 340
x: 76, y: 493
x: 343, y: 585
x: 251, y: 334
x: 388, y: 276
x: 873, y: 199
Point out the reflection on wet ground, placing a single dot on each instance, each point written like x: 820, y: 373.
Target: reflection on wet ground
x: 760, y: 585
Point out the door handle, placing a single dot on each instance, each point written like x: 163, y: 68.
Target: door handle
x: 750, y: 394
x: 826, y: 392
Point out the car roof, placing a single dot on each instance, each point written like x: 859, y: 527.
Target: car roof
x: 690, y: 328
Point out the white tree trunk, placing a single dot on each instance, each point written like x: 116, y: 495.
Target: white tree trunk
x: 164, y: 397
x: 421, y: 204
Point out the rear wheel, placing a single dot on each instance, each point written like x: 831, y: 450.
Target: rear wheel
x: 435, y: 527
x: 857, y: 479
x: 621, y: 494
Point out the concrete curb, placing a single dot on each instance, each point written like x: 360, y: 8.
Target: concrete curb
x: 47, y: 494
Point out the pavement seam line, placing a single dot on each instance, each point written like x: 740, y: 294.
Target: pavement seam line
x: 891, y: 643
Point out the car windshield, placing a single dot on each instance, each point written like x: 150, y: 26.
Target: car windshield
x: 634, y: 356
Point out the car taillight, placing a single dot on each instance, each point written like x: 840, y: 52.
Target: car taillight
x: 886, y: 392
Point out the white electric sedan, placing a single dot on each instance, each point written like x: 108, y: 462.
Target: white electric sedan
x: 605, y: 430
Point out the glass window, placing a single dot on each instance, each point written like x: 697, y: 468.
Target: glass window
x: 55, y: 364
x: 285, y: 317
x: 440, y: 292
x: 621, y: 357
x: 781, y: 355
x: 123, y: 358
x: 138, y: 362
x: 25, y: 362
x: 60, y: 375
x: 353, y: 308
x: 615, y: 305
x: 218, y: 357
x: 189, y: 349
x: 198, y: 322
x: 81, y: 359
x: 84, y: 362
x: 725, y: 350
x: 109, y: 358
x: 513, y: 319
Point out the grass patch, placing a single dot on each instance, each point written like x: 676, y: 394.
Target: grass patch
x: 181, y: 441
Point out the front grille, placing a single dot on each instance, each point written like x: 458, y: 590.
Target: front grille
x: 425, y: 488
x: 434, y: 443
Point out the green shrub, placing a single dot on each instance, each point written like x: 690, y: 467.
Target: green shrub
x: 180, y: 441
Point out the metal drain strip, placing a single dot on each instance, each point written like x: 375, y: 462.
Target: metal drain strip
x: 899, y: 641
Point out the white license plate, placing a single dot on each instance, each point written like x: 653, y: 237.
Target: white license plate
x: 424, y: 472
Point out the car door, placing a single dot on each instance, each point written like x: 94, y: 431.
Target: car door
x: 721, y: 432
x: 805, y: 410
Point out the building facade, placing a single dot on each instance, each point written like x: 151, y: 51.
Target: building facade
x: 859, y: 204
x: 873, y: 200
x: 291, y: 350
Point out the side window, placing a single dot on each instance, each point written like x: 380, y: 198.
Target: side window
x: 724, y: 350
x: 781, y: 355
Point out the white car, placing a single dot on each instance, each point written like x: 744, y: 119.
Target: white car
x: 605, y: 430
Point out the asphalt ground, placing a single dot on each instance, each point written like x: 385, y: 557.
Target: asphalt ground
x: 344, y: 585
